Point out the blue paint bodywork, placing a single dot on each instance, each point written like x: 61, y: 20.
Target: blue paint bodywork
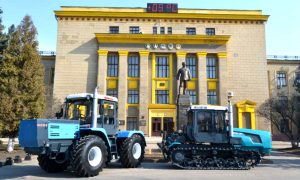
x: 265, y: 144
x: 255, y: 140
x: 28, y: 133
x: 62, y: 130
x: 46, y: 135
x: 126, y: 134
x: 99, y: 130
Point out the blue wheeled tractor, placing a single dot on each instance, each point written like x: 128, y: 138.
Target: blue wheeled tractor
x: 209, y: 141
x: 85, y: 139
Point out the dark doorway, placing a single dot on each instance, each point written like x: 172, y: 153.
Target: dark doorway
x: 168, y: 125
x: 156, y: 126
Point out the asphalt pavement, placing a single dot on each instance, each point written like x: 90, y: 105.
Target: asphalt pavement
x: 277, y: 166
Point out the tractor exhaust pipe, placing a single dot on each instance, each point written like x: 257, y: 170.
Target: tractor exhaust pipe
x: 230, y: 94
x: 95, y: 104
x: 230, y: 116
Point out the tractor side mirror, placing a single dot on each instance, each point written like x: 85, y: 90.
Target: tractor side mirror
x: 59, y: 114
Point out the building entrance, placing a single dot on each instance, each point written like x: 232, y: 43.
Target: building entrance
x: 156, y: 126
x: 161, y: 119
x: 162, y: 123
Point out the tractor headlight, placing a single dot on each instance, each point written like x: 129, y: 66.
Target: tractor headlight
x: 254, y: 138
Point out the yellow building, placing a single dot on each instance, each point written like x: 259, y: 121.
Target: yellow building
x: 134, y: 54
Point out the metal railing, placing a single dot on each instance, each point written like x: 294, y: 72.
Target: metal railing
x: 280, y: 57
x: 47, y: 53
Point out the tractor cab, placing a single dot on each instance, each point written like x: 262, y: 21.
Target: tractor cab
x: 80, y: 107
x: 207, y: 124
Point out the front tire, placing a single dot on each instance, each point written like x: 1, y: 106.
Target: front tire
x: 50, y: 165
x: 89, y: 156
x: 132, y: 152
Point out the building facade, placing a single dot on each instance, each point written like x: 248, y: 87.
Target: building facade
x: 284, y: 76
x: 134, y: 54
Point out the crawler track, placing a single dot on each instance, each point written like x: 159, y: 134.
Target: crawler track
x: 207, y: 157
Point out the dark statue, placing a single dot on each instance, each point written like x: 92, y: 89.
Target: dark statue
x: 184, y: 75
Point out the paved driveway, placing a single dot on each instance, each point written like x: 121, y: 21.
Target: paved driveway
x: 277, y: 166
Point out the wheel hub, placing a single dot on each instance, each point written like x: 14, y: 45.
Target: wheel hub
x: 95, y: 156
x: 179, y: 156
x: 136, y: 151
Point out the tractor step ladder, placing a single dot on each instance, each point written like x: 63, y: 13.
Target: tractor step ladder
x: 113, y: 141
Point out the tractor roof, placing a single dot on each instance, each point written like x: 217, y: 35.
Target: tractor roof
x: 208, y: 107
x: 85, y: 95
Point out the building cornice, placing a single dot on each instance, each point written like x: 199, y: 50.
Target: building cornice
x: 114, y: 13
x: 161, y: 38
x: 283, y: 62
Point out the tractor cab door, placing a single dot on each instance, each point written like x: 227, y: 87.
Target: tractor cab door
x: 108, y: 116
x: 209, y: 126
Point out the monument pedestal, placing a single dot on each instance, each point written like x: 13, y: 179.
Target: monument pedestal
x: 183, y: 103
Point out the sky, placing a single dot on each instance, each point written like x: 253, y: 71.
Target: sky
x: 282, y: 28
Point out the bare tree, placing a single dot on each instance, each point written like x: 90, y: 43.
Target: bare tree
x: 53, y: 105
x: 284, y: 115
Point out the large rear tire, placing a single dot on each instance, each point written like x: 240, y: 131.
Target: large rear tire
x: 89, y: 156
x: 132, y: 152
x: 50, y: 165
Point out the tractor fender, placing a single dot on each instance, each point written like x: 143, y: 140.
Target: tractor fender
x: 174, y: 144
x: 98, y: 132
x: 127, y: 134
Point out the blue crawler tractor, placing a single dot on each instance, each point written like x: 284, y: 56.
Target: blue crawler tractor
x: 209, y: 141
x: 85, y: 139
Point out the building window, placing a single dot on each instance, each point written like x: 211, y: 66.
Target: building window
x: 52, y: 72
x: 191, y: 31
x: 169, y: 30
x: 112, y: 65
x: 281, y: 79
x: 133, y: 66
x: 154, y: 30
x: 297, y: 79
x: 132, y: 123
x: 162, y: 30
x: 283, y: 100
x: 134, y: 29
x: 162, y: 67
x: 212, y: 97
x: 114, y: 29
x: 192, y: 65
x: 193, y: 96
x: 211, y: 67
x: 112, y: 92
x: 133, y: 96
x: 162, y: 97
x: 210, y: 31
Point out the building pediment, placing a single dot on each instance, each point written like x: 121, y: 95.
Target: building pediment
x: 245, y: 103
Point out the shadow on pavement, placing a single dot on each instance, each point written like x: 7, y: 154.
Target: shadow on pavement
x: 10, y: 172
x: 278, y: 161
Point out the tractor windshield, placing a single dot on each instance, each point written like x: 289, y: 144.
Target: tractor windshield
x: 79, y: 109
x: 211, y: 121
